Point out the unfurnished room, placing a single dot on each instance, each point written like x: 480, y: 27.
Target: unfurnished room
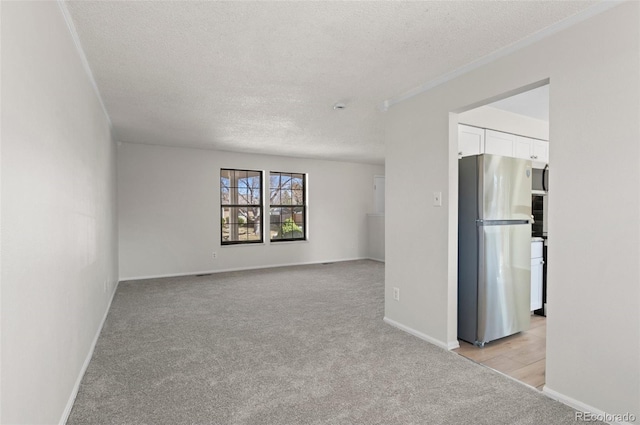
x: 319, y: 212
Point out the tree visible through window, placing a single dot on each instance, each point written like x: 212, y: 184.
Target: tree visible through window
x: 287, y: 213
x: 241, y: 206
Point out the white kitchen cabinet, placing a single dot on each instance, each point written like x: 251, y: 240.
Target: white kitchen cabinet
x: 535, y: 150
x: 537, y: 264
x: 475, y: 141
x: 498, y: 143
x: 522, y: 147
x: 470, y: 140
x: 540, y: 151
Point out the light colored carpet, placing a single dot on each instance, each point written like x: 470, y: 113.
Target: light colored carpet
x: 294, y: 345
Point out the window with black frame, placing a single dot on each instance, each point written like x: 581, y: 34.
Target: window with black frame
x: 241, y: 207
x: 288, y: 206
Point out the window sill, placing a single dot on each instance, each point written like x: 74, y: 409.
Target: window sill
x: 288, y: 242
x: 244, y: 245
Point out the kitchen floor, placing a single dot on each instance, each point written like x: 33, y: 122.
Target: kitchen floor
x: 521, y: 356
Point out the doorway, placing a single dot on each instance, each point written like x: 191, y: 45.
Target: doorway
x: 514, y: 127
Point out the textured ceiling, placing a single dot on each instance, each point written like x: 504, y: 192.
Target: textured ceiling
x: 263, y: 76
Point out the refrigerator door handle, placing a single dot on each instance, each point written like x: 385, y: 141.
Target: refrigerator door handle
x: 501, y: 222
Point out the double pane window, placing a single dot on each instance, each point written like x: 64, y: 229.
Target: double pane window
x: 287, y: 201
x: 241, y: 206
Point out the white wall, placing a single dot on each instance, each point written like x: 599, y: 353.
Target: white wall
x: 57, y: 217
x: 593, y: 340
x: 508, y: 122
x: 169, y: 211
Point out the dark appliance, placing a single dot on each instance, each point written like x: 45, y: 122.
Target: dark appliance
x: 539, y: 211
x: 538, y: 227
x: 540, y: 179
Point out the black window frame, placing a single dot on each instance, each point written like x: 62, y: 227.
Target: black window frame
x: 224, y: 205
x: 303, y: 206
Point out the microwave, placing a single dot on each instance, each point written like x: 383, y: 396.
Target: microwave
x: 540, y: 180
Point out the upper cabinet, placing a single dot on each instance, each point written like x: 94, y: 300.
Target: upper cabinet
x: 470, y: 140
x: 498, y: 143
x: 540, y: 151
x: 533, y: 149
x: 474, y: 141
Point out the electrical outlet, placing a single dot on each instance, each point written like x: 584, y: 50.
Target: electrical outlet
x: 215, y: 255
x: 396, y: 294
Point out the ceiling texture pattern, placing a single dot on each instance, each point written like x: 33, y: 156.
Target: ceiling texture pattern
x: 262, y: 77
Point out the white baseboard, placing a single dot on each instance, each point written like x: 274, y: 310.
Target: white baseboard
x: 453, y: 345
x: 376, y: 259
x: 87, y: 360
x: 581, y: 407
x: 237, y: 269
x: 425, y: 337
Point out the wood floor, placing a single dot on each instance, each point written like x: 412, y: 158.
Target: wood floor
x: 521, y: 356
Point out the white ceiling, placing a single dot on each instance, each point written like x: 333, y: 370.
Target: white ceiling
x: 533, y: 103
x: 263, y: 76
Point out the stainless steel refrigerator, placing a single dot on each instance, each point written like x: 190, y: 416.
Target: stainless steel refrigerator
x: 494, y: 247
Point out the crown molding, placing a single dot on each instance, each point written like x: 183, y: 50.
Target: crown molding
x: 83, y: 58
x: 590, y: 12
